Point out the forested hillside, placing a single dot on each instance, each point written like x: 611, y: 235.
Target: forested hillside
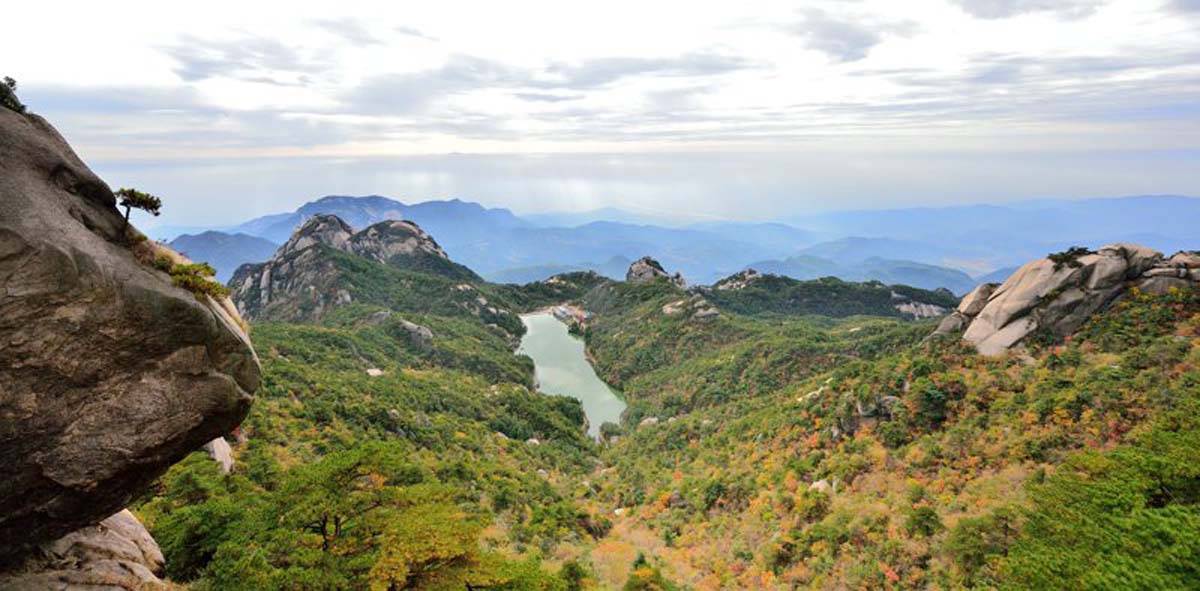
x: 396, y: 441
x: 909, y: 465
x: 779, y: 434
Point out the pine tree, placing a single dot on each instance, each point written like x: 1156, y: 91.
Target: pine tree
x: 8, y: 95
x: 133, y: 198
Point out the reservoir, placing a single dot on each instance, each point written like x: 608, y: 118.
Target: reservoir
x: 562, y: 368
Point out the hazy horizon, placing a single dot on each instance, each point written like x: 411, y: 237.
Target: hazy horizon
x: 612, y: 213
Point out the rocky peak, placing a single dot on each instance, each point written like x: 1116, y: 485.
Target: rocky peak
x: 1057, y: 294
x: 300, y: 283
x: 739, y: 280
x: 325, y: 229
x: 391, y: 238
x: 646, y: 269
x: 110, y: 372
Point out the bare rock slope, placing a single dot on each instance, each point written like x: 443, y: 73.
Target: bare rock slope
x: 117, y: 553
x: 1054, y: 296
x: 108, y: 372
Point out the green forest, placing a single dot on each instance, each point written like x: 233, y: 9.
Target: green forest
x: 778, y: 443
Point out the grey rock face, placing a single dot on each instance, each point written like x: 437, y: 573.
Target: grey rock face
x: 1058, y: 297
x: 972, y: 303
x: 300, y: 284
x: 919, y: 309
x: 292, y: 286
x: 385, y: 240
x: 738, y: 281
x: 970, y: 306
x: 115, y: 554
x: 646, y: 269
x: 318, y: 229
x: 108, y: 373
x: 419, y: 336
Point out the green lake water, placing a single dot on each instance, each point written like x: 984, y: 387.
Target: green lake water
x: 562, y: 368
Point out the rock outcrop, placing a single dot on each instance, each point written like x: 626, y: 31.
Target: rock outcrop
x: 115, y: 554
x: 917, y: 310
x: 420, y: 336
x: 318, y: 229
x: 221, y: 453
x: 646, y: 269
x: 695, y: 307
x: 384, y: 241
x: 1056, y: 295
x: 108, y: 372
x: 739, y: 280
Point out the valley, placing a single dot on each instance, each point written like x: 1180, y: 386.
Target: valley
x: 771, y: 433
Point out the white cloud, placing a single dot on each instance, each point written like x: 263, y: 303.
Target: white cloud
x: 1010, y: 8
x: 154, y: 82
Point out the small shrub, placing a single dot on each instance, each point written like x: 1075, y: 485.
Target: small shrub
x: 163, y: 263
x: 922, y: 521
x: 197, y: 278
x: 1069, y: 257
x: 975, y: 541
x: 573, y: 575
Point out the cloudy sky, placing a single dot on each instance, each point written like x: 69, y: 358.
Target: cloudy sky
x: 713, y: 109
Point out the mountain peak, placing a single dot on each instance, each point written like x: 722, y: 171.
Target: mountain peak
x: 325, y: 229
x: 390, y: 238
x: 301, y: 282
x: 646, y: 269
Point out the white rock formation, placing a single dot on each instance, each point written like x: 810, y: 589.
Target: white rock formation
x: 219, y: 450
x: 646, y: 269
x: 116, y: 554
x: 1057, y: 297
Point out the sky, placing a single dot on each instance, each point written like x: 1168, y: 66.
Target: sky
x: 743, y: 110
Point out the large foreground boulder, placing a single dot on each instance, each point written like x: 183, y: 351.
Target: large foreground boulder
x: 115, y: 554
x: 1054, y: 296
x: 109, y: 373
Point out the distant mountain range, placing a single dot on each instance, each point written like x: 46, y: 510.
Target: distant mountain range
x: 613, y: 268
x: 951, y: 247
x: 982, y: 238
x: 225, y: 252
x: 890, y: 271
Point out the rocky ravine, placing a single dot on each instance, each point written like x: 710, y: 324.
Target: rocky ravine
x: 108, y: 372
x: 1055, y: 297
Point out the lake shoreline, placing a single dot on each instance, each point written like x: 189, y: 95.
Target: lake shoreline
x: 563, y: 366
